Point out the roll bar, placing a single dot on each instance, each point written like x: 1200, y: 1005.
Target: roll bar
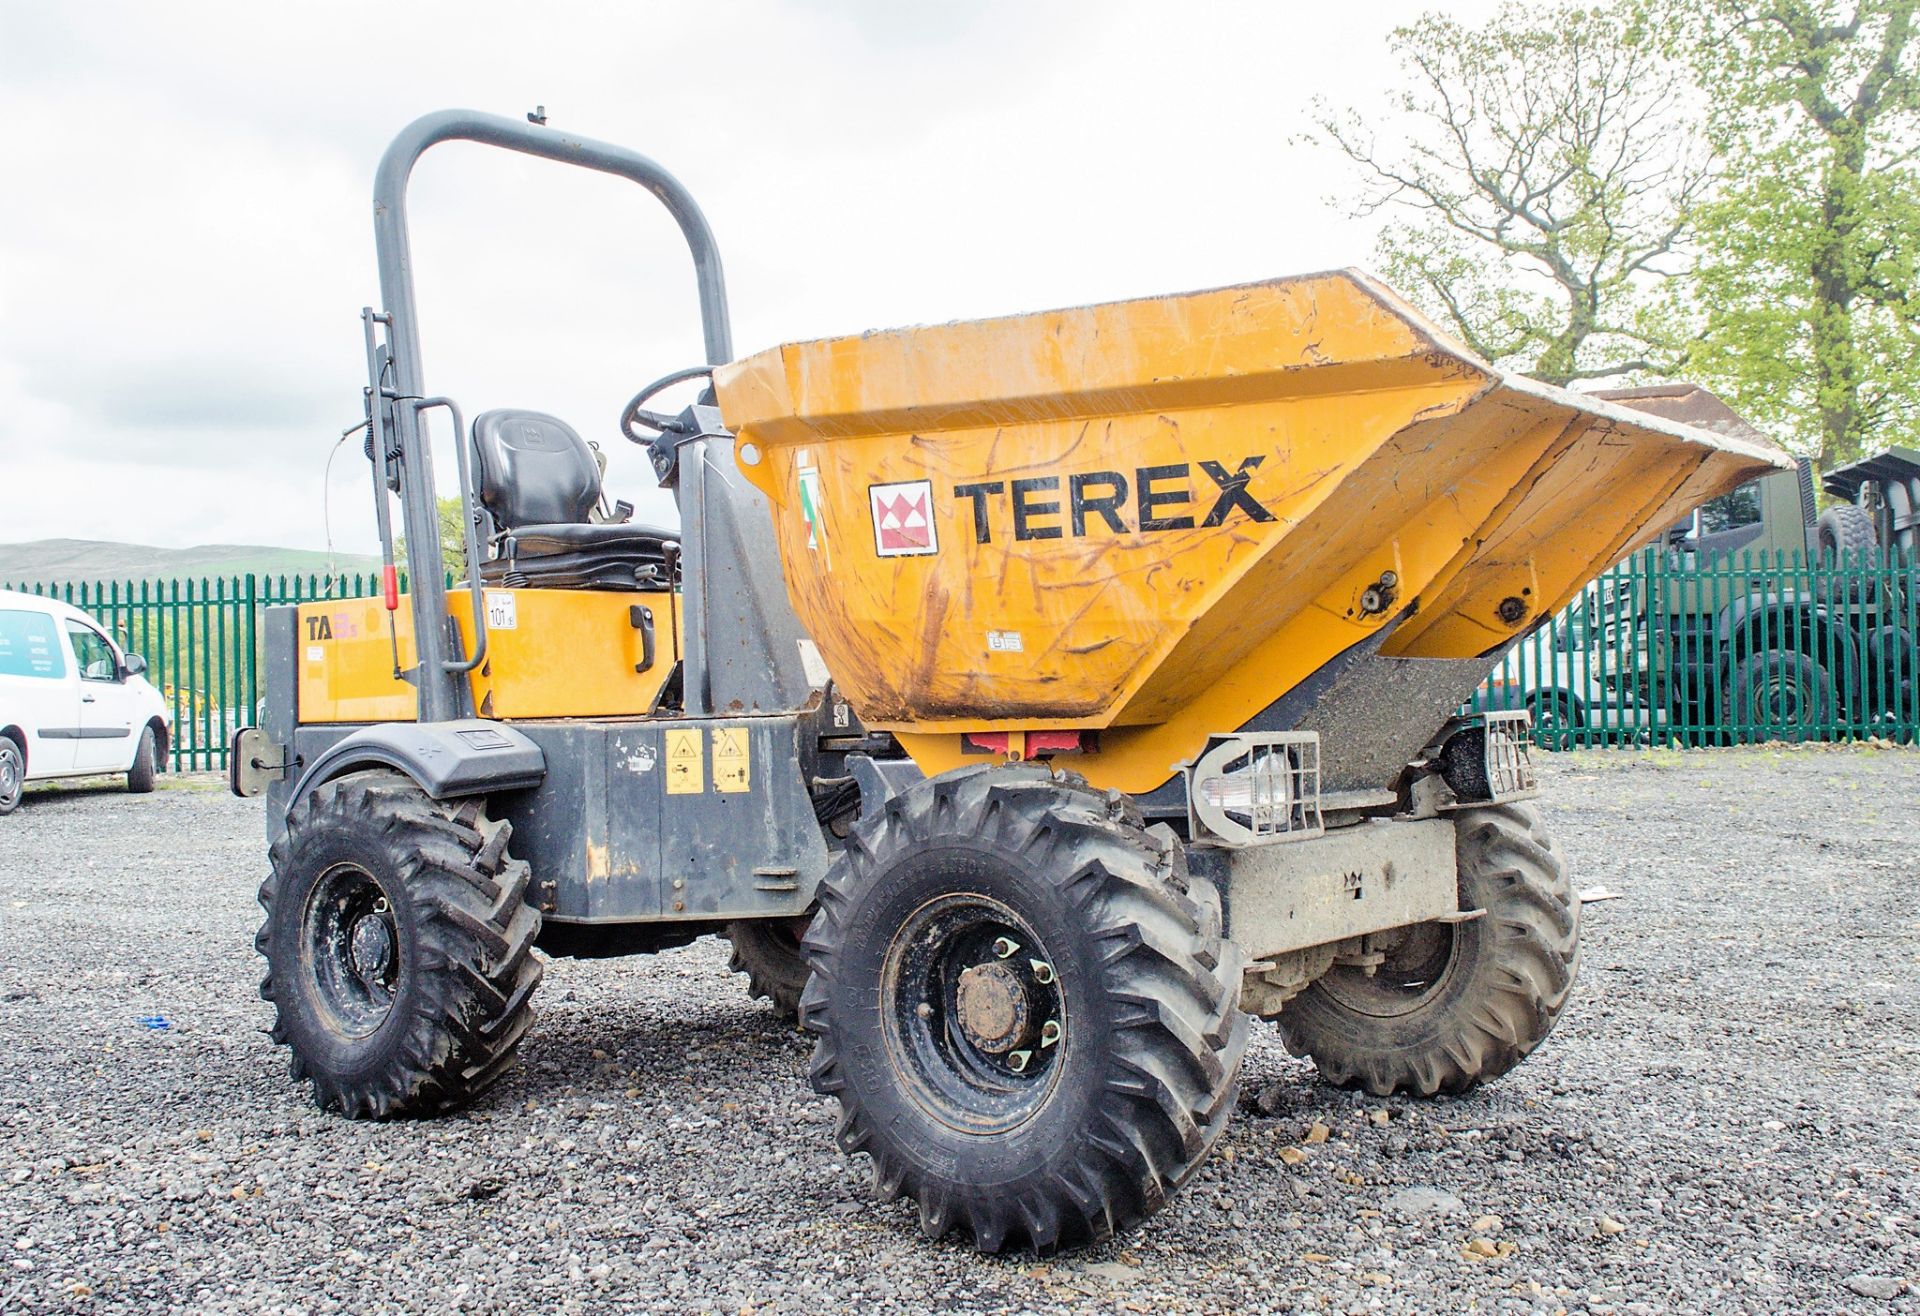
x: 439, y: 676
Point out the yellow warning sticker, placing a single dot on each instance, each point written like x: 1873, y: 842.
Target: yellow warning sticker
x: 686, y: 767
x: 730, y: 759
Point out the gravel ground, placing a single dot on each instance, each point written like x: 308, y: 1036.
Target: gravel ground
x: 1724, y: 1121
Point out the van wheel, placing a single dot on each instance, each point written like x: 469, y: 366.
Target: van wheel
x: 140, y: 775
x: 13, y: 775
x: 1556, y: 721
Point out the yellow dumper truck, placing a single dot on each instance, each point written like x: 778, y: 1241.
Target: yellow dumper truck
x: 1031, y: 701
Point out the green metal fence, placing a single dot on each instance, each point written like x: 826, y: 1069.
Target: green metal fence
x: 1661, y: 649
x: 201, y: 640
x: 1666, y: 649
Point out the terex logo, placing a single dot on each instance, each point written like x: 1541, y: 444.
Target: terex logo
x: 1108, y: 497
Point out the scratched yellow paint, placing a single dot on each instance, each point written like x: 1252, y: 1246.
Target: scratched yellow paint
x: 954, y: 582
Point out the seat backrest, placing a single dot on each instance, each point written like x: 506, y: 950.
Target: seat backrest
x: 533, y: 469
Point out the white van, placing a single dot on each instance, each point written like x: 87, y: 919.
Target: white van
x: 72, y: 703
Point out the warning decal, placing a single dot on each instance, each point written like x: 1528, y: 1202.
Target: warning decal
x: 686, y: 768
x: 730, y: 759
x: 809, y: 481
x: 903, y: 519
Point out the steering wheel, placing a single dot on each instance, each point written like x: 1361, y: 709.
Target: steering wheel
x: 636, y: 418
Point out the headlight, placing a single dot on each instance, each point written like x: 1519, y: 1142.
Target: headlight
x: 1265, y: 793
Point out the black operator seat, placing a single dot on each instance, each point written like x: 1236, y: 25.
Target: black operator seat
x: 538, y: 484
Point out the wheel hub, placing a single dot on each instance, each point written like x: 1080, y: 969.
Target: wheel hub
x: 993, y: 1008
x: 976, y: 1013
x: 353, y: 949
x: 370, y: 948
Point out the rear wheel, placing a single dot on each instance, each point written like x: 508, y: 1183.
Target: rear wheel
x: 140, y: 775
x: 1024, y: 1006
x: 13, y: 775
x: 768, y: 952
x: 399, y: 947
x: 1781, y: 694
x: 1454, y: 1004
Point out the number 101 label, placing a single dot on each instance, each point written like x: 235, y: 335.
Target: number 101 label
x: 500, y: 611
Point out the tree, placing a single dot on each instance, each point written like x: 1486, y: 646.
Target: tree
x: 1806, y: 286
x: 1552, y: 171
x: 453, y: 542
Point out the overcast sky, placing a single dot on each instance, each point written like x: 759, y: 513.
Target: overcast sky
x: 186, y: 241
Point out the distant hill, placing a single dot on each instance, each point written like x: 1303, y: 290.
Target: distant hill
x: 61, y: 560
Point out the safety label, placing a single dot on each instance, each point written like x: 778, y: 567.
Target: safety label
x: 730, y: 759
x: 808, y: 478
x: 1005, y: 642
x: 686, y: 767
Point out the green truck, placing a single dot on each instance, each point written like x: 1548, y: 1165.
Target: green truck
x: 1760, y: 617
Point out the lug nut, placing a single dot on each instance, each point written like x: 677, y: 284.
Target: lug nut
x: 1005, y: 947
x: 1042, y: 971
x: 1017, y: 1062
x: 924, y: 1010
x: 1050, y: 1032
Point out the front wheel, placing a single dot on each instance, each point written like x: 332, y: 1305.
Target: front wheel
x: 399, y: 947
x: 13, y: 775
x: 1454, y: 1004
x: 145, y: 763
x: 1025, y: 1007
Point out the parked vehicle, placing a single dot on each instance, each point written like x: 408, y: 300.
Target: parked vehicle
x: 72, y: 702
x: 1784, y: 622
x: 1588, y: 680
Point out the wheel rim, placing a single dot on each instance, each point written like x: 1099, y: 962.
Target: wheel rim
x: 353, y: 949
x: 10, y: 782
x: 1418, y: 963
x: 975, y: 1014
x: 1780, y: 701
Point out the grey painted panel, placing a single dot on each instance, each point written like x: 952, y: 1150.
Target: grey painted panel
x: 742, y: 637
x: 607, y: 843
x: 605, y: 831
x: 1372, y: 876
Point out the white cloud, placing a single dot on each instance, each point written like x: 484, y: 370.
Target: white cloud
x: 187, y: 241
